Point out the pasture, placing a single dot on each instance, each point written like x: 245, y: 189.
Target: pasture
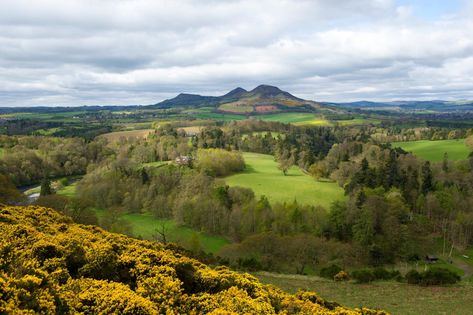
x: 263, y: 176
x: 292, y: 118
x: 117, y: 135
x: 236, y: 107
x: 435, y: 150
x: 396, y: 298
x: 145, y: 226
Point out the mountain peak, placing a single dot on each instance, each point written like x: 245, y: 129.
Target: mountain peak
x: 235, y: 93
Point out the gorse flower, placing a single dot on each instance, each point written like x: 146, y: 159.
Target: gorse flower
x: 49, y: 265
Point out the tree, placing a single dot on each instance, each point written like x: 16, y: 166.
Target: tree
x: 45, y: 187
x: 8, y: 192
x: 445, y: 162
x: 427, y: 178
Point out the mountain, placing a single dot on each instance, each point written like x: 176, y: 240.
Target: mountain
x: 185, y: 99
x: 263, y: 98
x: 235, y: 93
x: 51, y: 265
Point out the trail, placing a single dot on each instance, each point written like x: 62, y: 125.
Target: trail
x: 468, y: 270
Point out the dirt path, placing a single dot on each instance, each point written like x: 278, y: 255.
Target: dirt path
x: 468, y: 270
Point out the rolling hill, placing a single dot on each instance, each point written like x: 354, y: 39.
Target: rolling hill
x: 262, y: 99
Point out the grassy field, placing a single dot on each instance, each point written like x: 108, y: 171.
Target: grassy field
x: 115, y: 136
x: 191, y: 130
x: 145, y: 225
x: 357, y: 121
x: 263, y: 176
x: 68, y: 191
x: 217, y: 116
x: 434, y: 150
x: 397, y: 298
x: 236, y: 108
x: 2, y: 150
x: 290, y: 118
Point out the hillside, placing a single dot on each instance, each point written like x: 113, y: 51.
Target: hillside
x: 262, y: 99
x: 50, y: 265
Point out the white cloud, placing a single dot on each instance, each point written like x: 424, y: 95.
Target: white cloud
x: 127, y: 52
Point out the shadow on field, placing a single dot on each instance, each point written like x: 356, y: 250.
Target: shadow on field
x: 250, y: 169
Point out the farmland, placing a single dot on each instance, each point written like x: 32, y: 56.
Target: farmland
x: 435, y: 150
x: 394, y: 297
x: 263, y: 176
x: 115, y: 136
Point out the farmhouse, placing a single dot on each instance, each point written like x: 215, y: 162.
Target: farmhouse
x: 431, y: 259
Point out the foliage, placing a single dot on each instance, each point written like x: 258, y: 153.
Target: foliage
x: 341, y: 276
x: 330, y: 271
x: 50, y: 265
x: 219, y: 162
x: 432, y: 276
x: 8, y: 192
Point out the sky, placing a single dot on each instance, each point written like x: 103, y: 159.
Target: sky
x: 104, y: 52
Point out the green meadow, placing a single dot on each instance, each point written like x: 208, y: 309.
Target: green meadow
x: 291, y: 118
x: 264, y: 178
x: 435, y: 150
x: 396, y: 298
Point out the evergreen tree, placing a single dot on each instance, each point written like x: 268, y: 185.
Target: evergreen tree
x: 45, y: 187
x: 427, y: 178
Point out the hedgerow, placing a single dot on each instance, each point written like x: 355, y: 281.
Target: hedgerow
x: 50, y: 265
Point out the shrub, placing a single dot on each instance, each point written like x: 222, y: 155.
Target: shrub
x: 413, y: 277
x: 382, y: 274
x: 341, y: 276
x: 330, y: 271
x: 433, y: 276
x: 363, y: 276
x: 439, y: 276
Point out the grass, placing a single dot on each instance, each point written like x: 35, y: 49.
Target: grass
x: 155, y: 164
x: 394, y: 297
x: 145, y: 225
x: 263, y: 176
x: 68, y: 191
x: 191, y: 130
x: 115, y: 136
x: 217, y: 116
x: 434, y: 150
x: 236, y: 108
x: 2, y: 151
x: 357, y: 121
x: 290, y: 118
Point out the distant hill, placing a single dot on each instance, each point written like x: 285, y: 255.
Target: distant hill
x: 410, y: 106
x: 263, y: 98
x: 51, y: 265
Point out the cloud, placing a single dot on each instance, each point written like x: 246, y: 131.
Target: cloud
x: 139, y: 52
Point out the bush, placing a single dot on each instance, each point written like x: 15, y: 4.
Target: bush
x: 413, y: 277
x: 433, y: 276
x: 439, y: 276
x: 341, y: 276
x: 330, y: 271
x: 382, y: 274
x: 363, y: 276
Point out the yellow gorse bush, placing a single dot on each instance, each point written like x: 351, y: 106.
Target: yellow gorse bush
x: 50, y: 265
